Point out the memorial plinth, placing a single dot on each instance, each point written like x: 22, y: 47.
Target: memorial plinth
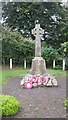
x: 38, y: 66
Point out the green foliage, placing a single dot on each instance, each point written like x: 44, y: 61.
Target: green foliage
x: 49, y: 53
x: 64, y: 49
x: 57, y: 67
x: 9, y: 105
x: 16, y: 47
x: 21, y: 19
x: 66, y: 102
x: 51, y: 15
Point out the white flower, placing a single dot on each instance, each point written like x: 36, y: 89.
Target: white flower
x: 22, y: 82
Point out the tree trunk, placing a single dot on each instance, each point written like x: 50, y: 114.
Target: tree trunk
x: 4, y: 62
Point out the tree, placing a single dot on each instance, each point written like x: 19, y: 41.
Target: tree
x: 64, y: 49
x: 49, y: 54
x: 16, y: 47
x: 51, y: 16
x: 0, y: 46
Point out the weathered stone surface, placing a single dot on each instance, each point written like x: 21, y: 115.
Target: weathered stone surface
x: 51, y: 82
x: 38, y: 63
x: 38, y: 66
x: 37, y: 32
x: 54, y: 81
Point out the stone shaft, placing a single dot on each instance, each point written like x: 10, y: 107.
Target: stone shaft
x: 38, y: 63
x: 38, y: 47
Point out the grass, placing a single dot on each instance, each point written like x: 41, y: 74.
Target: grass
x: 57, y: 72
x: 5, y: 74
x: 66, y: 102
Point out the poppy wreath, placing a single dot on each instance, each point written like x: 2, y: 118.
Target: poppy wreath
x: 31, y: 81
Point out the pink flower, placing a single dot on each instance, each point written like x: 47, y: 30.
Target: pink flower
x: 33, y: 76
x: 28, y: 85
x: 33, y: 79
x: 42, y: 79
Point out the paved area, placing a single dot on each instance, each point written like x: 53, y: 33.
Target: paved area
x: 45, y: 102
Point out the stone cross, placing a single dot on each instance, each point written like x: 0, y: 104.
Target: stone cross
x: 38, y: 32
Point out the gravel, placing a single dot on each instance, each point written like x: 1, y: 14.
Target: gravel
x: 44, y: 102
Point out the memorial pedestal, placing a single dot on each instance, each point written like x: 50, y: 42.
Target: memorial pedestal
x: 38, y: 66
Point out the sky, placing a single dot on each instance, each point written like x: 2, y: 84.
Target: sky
x: 64, y: 0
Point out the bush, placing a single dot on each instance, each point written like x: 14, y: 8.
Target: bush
x: 66, y: 102
x: 9, y: 105
x: 57, y: 67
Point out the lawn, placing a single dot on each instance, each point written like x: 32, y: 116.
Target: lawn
x: 57, y: 72
x: 5, y: 74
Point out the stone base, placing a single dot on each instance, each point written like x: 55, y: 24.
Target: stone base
x: 38, y: 66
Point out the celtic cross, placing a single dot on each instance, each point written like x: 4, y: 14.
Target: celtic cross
x: 38, y: 32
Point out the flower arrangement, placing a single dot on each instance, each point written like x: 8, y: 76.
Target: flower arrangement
x: 30, y: 81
